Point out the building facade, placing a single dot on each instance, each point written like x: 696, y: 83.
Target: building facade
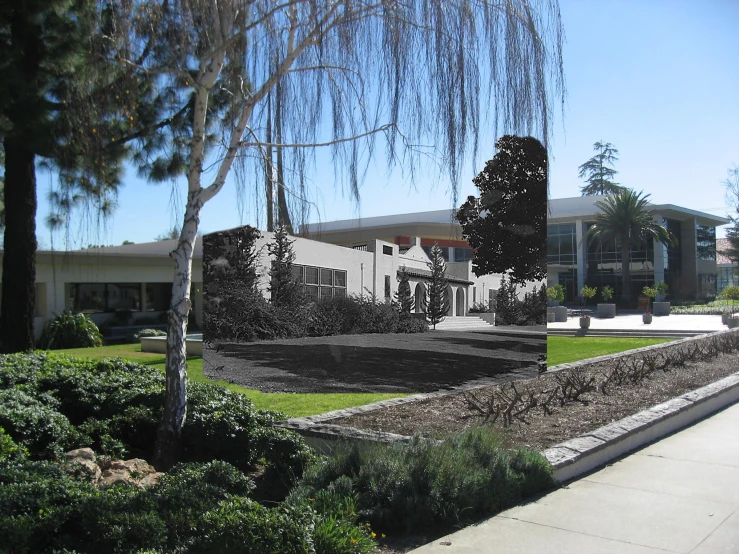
x: 99, y: 282
x: 689, y: 268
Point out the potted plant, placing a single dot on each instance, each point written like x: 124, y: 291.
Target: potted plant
x: 556, y: 295
x: 585, y: 321
x: 660, y: 307
x: 586, y: 293
x: 649, y: 292
x: 606, y: 309
x: 725, y: 317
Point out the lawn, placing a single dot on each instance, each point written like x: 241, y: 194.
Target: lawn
x: 294, y: 405
x: 562, y: 350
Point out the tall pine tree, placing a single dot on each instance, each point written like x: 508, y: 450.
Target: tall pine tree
x: 283, y: 289
x: 437, y: 302
x: 597, y: 172
x: 403, y: 297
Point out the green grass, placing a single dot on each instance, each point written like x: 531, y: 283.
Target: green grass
x: 294, y: 405
x: 562, y: 350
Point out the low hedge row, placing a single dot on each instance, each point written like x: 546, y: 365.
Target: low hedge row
x: 245, y: 315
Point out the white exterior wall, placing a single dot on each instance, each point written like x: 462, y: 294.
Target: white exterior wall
x: 54, y: 276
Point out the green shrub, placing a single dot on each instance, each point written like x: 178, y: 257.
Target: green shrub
x: 9, y: 450
x: 146, y: 333
x: 55, y: 402
x: 424, y: 486
x: 194, y: 508
x: 68, y: 330
x: 36, y: 424
x: 412, y: 325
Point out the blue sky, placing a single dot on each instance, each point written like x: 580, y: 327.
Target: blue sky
x: 659, y: 79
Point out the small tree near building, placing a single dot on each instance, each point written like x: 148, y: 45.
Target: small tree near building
x: 403, y: 297
x: 437, y: 302
x: 283, y: 289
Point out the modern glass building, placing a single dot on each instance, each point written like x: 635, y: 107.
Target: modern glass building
x: 689, y: 268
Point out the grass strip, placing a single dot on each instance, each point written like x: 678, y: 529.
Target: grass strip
x: 291, y: 404
x: 562, y: 350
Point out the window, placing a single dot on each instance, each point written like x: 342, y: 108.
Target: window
x: 106, y: 297
x: 311, y: 275
x: 320, y: 282
x: 562, y: 245
x: 158, y: 296
x: 387, y: 286
x: 705, y: 242
x: 387, y: 250
x: 327, y: 277
x: 463, y: 254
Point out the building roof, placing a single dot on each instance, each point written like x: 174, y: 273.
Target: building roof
x: 441, y: 217
x: 156, y: 249
x: 584, y: 206
x: 721, y: 246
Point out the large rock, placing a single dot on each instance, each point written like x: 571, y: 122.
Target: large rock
x: 82, y: 463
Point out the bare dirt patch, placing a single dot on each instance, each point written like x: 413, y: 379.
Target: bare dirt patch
x: 443, y: 416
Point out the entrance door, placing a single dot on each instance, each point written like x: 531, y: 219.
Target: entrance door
x: 569, y: 282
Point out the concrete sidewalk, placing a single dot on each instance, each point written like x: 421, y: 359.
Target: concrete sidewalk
x: 681, y: 494
x: 688, y: 324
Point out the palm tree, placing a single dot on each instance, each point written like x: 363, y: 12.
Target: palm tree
x: 625, y: 219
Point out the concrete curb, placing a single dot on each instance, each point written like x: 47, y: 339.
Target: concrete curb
x: 577, y: 456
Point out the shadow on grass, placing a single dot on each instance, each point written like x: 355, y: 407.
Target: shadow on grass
x: 341, y: 368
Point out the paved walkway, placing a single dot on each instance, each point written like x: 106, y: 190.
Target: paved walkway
x: 680, y: 494
x: 704, y: 323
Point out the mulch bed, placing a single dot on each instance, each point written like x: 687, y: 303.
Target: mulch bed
x: 443, y: 416
x: 406, y: 363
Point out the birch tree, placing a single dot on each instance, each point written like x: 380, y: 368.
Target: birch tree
x: 421, y: 78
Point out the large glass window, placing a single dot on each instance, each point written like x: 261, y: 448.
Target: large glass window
x: 106, y: 297
x: 320, y: 282
x: 725, y: 277
x: 562, y: 245
x: 463, y: 254
x: 158, y: 296
x: 705, y: 242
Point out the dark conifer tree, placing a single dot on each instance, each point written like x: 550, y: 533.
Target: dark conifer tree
x: 403, y: 297
x: 437, y: 302
x: 597, y: 173
x: 283, y: 288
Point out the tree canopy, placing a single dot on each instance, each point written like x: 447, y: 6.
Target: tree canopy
x: 597, y: 173
x: 626, y: 220
x: 506, y: 224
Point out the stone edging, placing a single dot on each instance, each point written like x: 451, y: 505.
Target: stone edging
x: 609, y: 357
x: 591, y: 450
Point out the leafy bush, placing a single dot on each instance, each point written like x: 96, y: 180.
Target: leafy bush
x: 195, y: 508
x: 35, y: 423
x: 146, y: 333
x: 68, y: 330
x: 425, y: 486
x: 480, y: 308
x: 52, y: 403
x: 9, y: 450
x: 412, y: 325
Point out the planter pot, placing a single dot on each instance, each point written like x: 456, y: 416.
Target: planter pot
x: 646, y: 318
x: 560, y: 314
x: 725, y: 319
x: 550, y: 317
x: 733, y: 322
x: 661, y: 308
x: 606, y: 310
x: 584, y: 323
